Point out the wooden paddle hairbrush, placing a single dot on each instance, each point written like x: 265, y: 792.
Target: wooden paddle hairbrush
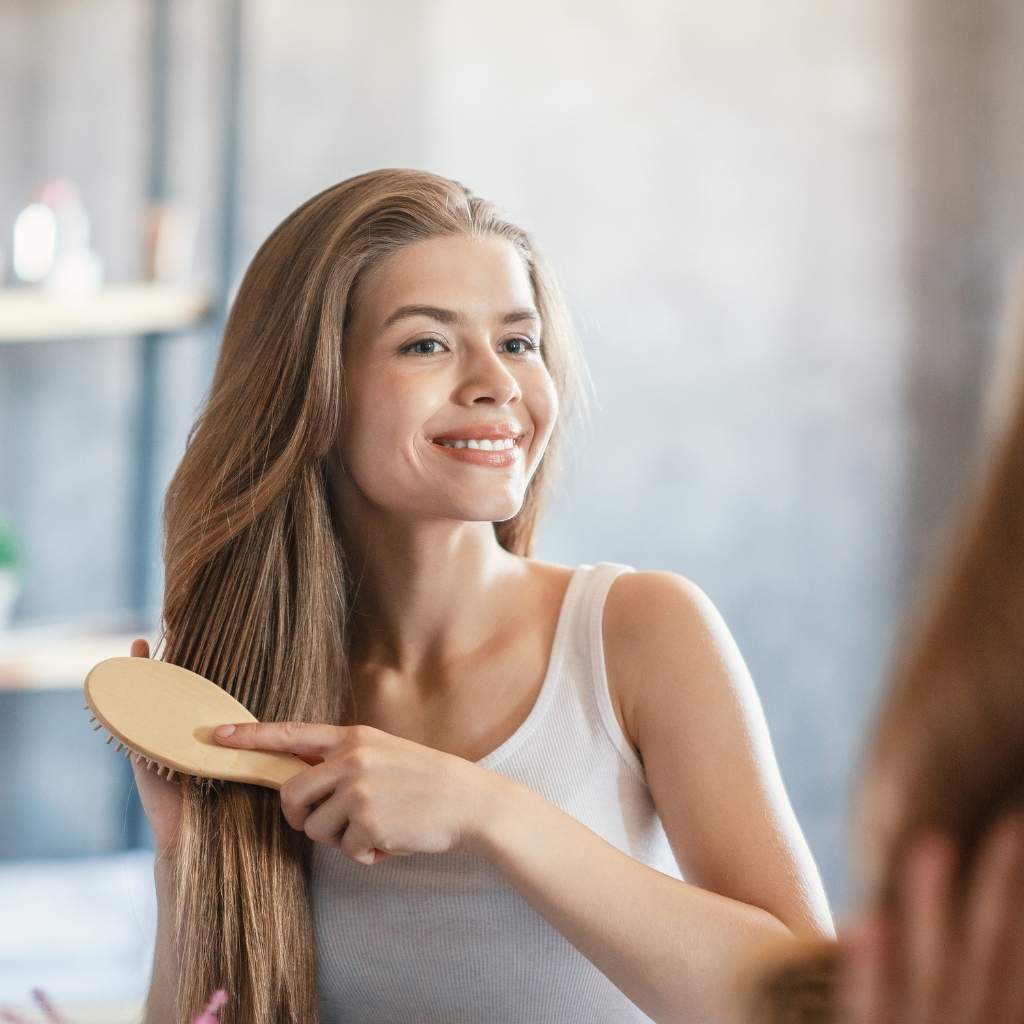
x: 166, y: 715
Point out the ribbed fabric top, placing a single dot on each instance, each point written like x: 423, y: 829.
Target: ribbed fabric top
x: 432, y: 938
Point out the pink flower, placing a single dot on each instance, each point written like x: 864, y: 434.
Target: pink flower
x: 43, y: 1000
x: 208, y: 1016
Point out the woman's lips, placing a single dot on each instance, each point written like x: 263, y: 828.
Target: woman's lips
x: 508, y: 457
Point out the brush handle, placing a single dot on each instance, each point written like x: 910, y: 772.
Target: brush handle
x: 275, y: 773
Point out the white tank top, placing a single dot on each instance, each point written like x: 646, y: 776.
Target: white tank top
x: 444, y: 938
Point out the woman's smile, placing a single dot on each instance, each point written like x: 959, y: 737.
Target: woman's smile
x: 481, y: 457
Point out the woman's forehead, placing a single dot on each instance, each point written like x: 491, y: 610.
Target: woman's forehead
x: 474, y: 278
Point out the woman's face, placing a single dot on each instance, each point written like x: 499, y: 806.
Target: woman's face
x: 474, y: 361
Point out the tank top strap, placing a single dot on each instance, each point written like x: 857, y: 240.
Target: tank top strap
x: 585, y: 655
x: 574, y: 700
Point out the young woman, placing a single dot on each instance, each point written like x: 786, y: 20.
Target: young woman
x: 941, y: 813
x: 514, y: 764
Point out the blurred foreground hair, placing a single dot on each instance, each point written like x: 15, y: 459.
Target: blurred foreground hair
x: 947, y: 748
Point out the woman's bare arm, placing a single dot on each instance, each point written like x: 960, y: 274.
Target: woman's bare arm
x: 681, y: 950
x: 677, y: 951
x: 694, y: 714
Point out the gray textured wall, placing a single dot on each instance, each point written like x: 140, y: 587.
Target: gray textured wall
x: 783, y: 231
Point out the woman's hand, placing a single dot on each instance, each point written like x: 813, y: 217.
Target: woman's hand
x: 926, y: 964
x: 161, y: 799
x: 371, y: 794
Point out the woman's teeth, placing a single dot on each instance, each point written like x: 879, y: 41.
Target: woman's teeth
x: 488, y: 446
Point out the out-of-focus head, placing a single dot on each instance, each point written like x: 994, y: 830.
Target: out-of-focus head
x: 950, y: 753
x: 946, y: 750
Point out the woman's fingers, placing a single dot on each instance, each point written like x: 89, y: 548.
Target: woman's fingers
x: 864, y: 995
x: 930, y: 965
x: 988, y: 925
x: 925, y: 928
x: 851, y: 967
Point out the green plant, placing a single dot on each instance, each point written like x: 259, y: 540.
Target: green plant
x: 8, y: 548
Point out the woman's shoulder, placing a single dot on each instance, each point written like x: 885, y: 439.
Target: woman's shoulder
x: 637, y: 601
x: 653, y: 622
x: 635, y: 596
x: 653, y: 619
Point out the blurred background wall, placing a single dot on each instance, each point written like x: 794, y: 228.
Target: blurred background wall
x: 784, y: 231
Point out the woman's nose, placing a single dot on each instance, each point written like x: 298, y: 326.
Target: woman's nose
x: 487, y: 376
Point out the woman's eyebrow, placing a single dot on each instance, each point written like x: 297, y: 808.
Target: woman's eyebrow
x: 451, y: 316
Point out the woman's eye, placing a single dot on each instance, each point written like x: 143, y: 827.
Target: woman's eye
x: 422, y: 341
x: 532, y: 346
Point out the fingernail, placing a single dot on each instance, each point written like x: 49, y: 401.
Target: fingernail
x: 224, y: 730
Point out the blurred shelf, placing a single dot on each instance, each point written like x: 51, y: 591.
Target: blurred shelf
x: 37, y: 314
x: 59, y: 655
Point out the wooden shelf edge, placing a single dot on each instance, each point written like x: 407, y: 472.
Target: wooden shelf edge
x: 143, y: 307
x: 59, y: 655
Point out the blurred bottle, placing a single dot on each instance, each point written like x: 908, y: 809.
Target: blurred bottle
x: 51, y: 241
x: 169, y: 231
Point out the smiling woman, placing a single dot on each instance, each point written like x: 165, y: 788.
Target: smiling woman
x: 349, y: 553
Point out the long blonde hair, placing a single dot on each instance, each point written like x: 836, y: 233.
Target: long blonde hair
x: 947, y: 749
x: 257, y: 586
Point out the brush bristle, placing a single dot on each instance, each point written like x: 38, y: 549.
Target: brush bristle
x: 151, y: 764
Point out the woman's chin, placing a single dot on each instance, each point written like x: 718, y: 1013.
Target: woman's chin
x: 490, y: 511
